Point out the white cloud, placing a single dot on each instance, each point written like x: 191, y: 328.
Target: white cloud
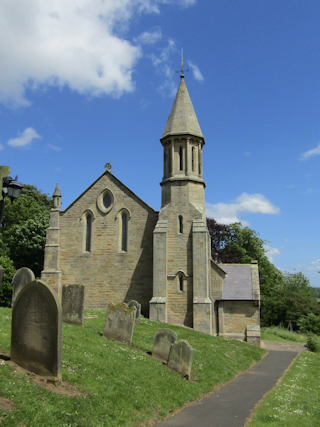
x: 271, y: 252
x: 311, y: 153
x: 24, y: 139
x: 149, y: 37
x: 54, y: 147
x: 79, y: 44
x: 161, y: 62
x: 195, y: 71
x: 314, y: 266
x: 228, y: 213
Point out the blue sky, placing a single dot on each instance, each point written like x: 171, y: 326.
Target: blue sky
x: 87, y: 82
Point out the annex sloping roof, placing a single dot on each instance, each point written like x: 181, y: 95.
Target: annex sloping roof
x: 238, y: 283
x: 182, y: 118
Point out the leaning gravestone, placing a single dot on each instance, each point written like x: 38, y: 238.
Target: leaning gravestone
x: 135, y: 304
x: 22, y: 277
x: 120, y: 321
x: 180, y: 358
x: 1, y: 276
x: 162, y: 342
x: 72, y: 304
x: 36, y: 330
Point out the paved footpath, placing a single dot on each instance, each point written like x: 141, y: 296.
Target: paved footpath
x: 231, y: 405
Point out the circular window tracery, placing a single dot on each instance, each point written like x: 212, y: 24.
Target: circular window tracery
x: 105, y: 201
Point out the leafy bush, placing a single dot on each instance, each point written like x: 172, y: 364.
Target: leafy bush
x: 313, y: 343
x: 6, y: 287
x: 309, y: 324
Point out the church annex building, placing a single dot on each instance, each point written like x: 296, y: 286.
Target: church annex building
x: 119, y: 248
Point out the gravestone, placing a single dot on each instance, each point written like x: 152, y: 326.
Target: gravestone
x: 72, y: 304
x: 253, y: 334
x: 135, y: 304
x: 22, y: 277
x: 162, y: 342
x: 120, y: 321
x: 36, y: 330
x: 1, y: 276
x: 180, y: 358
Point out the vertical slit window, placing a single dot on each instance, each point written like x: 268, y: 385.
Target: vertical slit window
x: 181, y: 158
x: 124, y: 232
x: 192, y: 159
x: 199, y: 162
x: 180, y: 224
x: 165, y: 162
x: 170, y: 162
x: 181, y: 282
x: 88, y: 232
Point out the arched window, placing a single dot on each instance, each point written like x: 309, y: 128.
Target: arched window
x: 180, y: 158
x: 192, y: 159
x: 180, y: 224
x: 180, y: 282
x: 88, y: 228
x: 124, y: 231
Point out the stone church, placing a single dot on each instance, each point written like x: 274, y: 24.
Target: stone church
x: 119, y: 248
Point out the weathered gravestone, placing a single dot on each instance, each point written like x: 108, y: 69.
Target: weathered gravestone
x: 253, y: 334
x: 120, y: 321
x: 180, y: 358
x: 22, y: 277
x: 36, y: 330
x: 1, y: 276
x: 72, y: 304
x: 162, y: 342
x: 135, y: 304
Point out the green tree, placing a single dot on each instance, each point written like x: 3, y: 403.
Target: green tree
x: 24, y: 227
x: 6, y: 287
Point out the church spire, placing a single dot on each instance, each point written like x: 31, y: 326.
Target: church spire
x: 182, y: 119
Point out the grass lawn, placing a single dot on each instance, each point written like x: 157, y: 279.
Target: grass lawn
x: 296, y: 401
x: 121, y: 385
x: 280, y: 334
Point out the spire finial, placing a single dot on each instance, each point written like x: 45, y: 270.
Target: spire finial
x: 182, y: 73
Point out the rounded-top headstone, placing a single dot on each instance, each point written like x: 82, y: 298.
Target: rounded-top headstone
x: 162, y: 342
x: 36, y: 330
x: 22, y: 277
x: 137, y: 305
x: 180, y: 358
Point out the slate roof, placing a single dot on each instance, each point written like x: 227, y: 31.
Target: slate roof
x: 182, y: 119
x: 237, y: 284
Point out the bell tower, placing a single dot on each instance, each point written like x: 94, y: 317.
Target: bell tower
x: 181, y: 245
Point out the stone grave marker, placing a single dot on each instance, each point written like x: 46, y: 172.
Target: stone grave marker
x: 22, y: 277
x: 180, y: 358
x: 36, y: 330
x: 120, y: 321
x: 253, y: 334
x: 72, y: 304
x: 162, y: 342
x: 135, y: 304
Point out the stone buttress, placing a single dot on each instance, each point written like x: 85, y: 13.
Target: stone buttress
x: 181, y: 243
x: 51, y: 273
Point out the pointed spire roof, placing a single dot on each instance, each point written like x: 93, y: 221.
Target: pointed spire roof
x: 182, y: 119
x: 57, y: 192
